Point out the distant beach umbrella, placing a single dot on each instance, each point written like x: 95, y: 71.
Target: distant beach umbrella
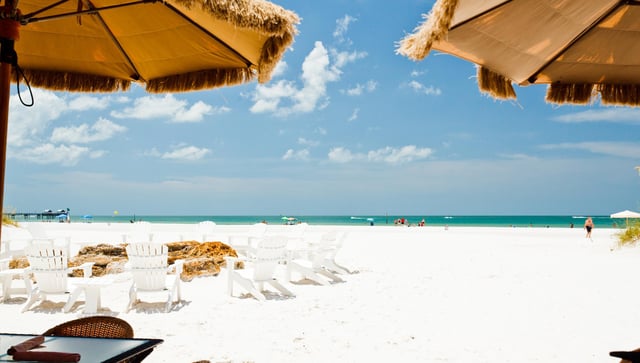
x: 166, y: 46
x: 626, y: 214
x: 581, y: 48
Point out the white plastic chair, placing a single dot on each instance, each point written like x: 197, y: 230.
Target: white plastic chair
x: 243, y: 242
x: 149, y: 267
x: 10, y: 275
x: 206, y: 230
x: 50, y: 271
x: 263, y: 260
x: 317, y: 262
x: 39, y: 237
x: 140, y: 232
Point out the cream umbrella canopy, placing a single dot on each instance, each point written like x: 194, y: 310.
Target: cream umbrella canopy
x: 626, y: 214
x: 581, y: 48
x: 167, y: 46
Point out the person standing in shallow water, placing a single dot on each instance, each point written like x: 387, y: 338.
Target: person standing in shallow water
x: 588, y: 225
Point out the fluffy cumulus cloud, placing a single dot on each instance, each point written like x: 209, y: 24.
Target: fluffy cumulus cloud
x: 169, y: 108
x: 186, y: 153
x: 319, y: 68
x: 102, y: 130
x: 389, y: 155
x: 31, y: 138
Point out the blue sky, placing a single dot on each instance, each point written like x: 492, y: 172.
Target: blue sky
x: 346, y: 126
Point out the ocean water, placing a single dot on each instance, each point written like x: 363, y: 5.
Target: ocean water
x: 378, y: 220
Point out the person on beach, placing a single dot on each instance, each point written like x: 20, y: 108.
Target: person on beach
x: 588, y: 225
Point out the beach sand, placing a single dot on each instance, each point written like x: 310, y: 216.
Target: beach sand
x: 415, y: 294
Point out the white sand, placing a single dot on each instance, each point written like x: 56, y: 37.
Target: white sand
x: 417, y: 295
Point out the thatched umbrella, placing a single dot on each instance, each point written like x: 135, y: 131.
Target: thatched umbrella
x: 165, y: 45
x: 581, y: 48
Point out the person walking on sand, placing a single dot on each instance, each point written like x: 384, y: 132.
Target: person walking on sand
x: 588, y: 225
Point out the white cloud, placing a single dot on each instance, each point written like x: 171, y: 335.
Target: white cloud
x: 28, y: 124
x: 188, y: 153
x: 354, y: 115
x: 197, y: 112
x: 342, y: 26
x: 53, y: 154
x: 359, y: 89
x: 621, y: 115
x: 340, y: 155
x: 344, y: 58
x: 284, y: 98
x: 280, y: 69
x: 420, y: 88
x: 167, y: 107
x: 296, y: 155
x: 102, y: 130
x: 86, y: 102
x: 619, y: 149
x: 398, y: 156
x: 387, y: 154
x: 303, y: 141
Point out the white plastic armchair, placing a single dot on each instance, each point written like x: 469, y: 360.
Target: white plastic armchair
x: 317, y: 262
x: 262, y: 265
x: 148, y: 263
x: 242, y: 243
x: 51, y: 274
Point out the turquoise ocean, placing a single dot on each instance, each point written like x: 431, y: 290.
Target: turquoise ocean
x: 355, y: 220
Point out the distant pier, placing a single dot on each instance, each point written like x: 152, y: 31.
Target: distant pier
x: 47, y: 215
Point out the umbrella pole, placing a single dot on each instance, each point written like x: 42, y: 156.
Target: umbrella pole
x: 9, y: 32
x: 5, y: 85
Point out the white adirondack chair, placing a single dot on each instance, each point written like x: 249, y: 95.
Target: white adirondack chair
x: 8, y: 276
x: 206, y: 230
x: 39, y: 237
x: 243, y: 242
x: 141, y: 231
x: 263, y: 261
x: 50, y: 271
x: 317, y: 262
x: 149, y: 267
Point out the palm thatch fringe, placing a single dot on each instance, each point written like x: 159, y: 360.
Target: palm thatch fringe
x: 64, y: 81
x: 580, y: 94
x: 200, y: 80
x: 620, y: 94
x: 259, y: 15
x: 495, y: 84
x: 262, y: 16
x: 416, y: 46
x: 272, y: 52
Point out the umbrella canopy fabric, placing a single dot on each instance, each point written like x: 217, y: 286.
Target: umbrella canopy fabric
x: 169, y: 46
x: 626, y: 214
x: 581, y: 48
x: 165, y: 45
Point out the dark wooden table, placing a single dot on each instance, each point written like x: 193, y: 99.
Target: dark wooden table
x: 91, y: 350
